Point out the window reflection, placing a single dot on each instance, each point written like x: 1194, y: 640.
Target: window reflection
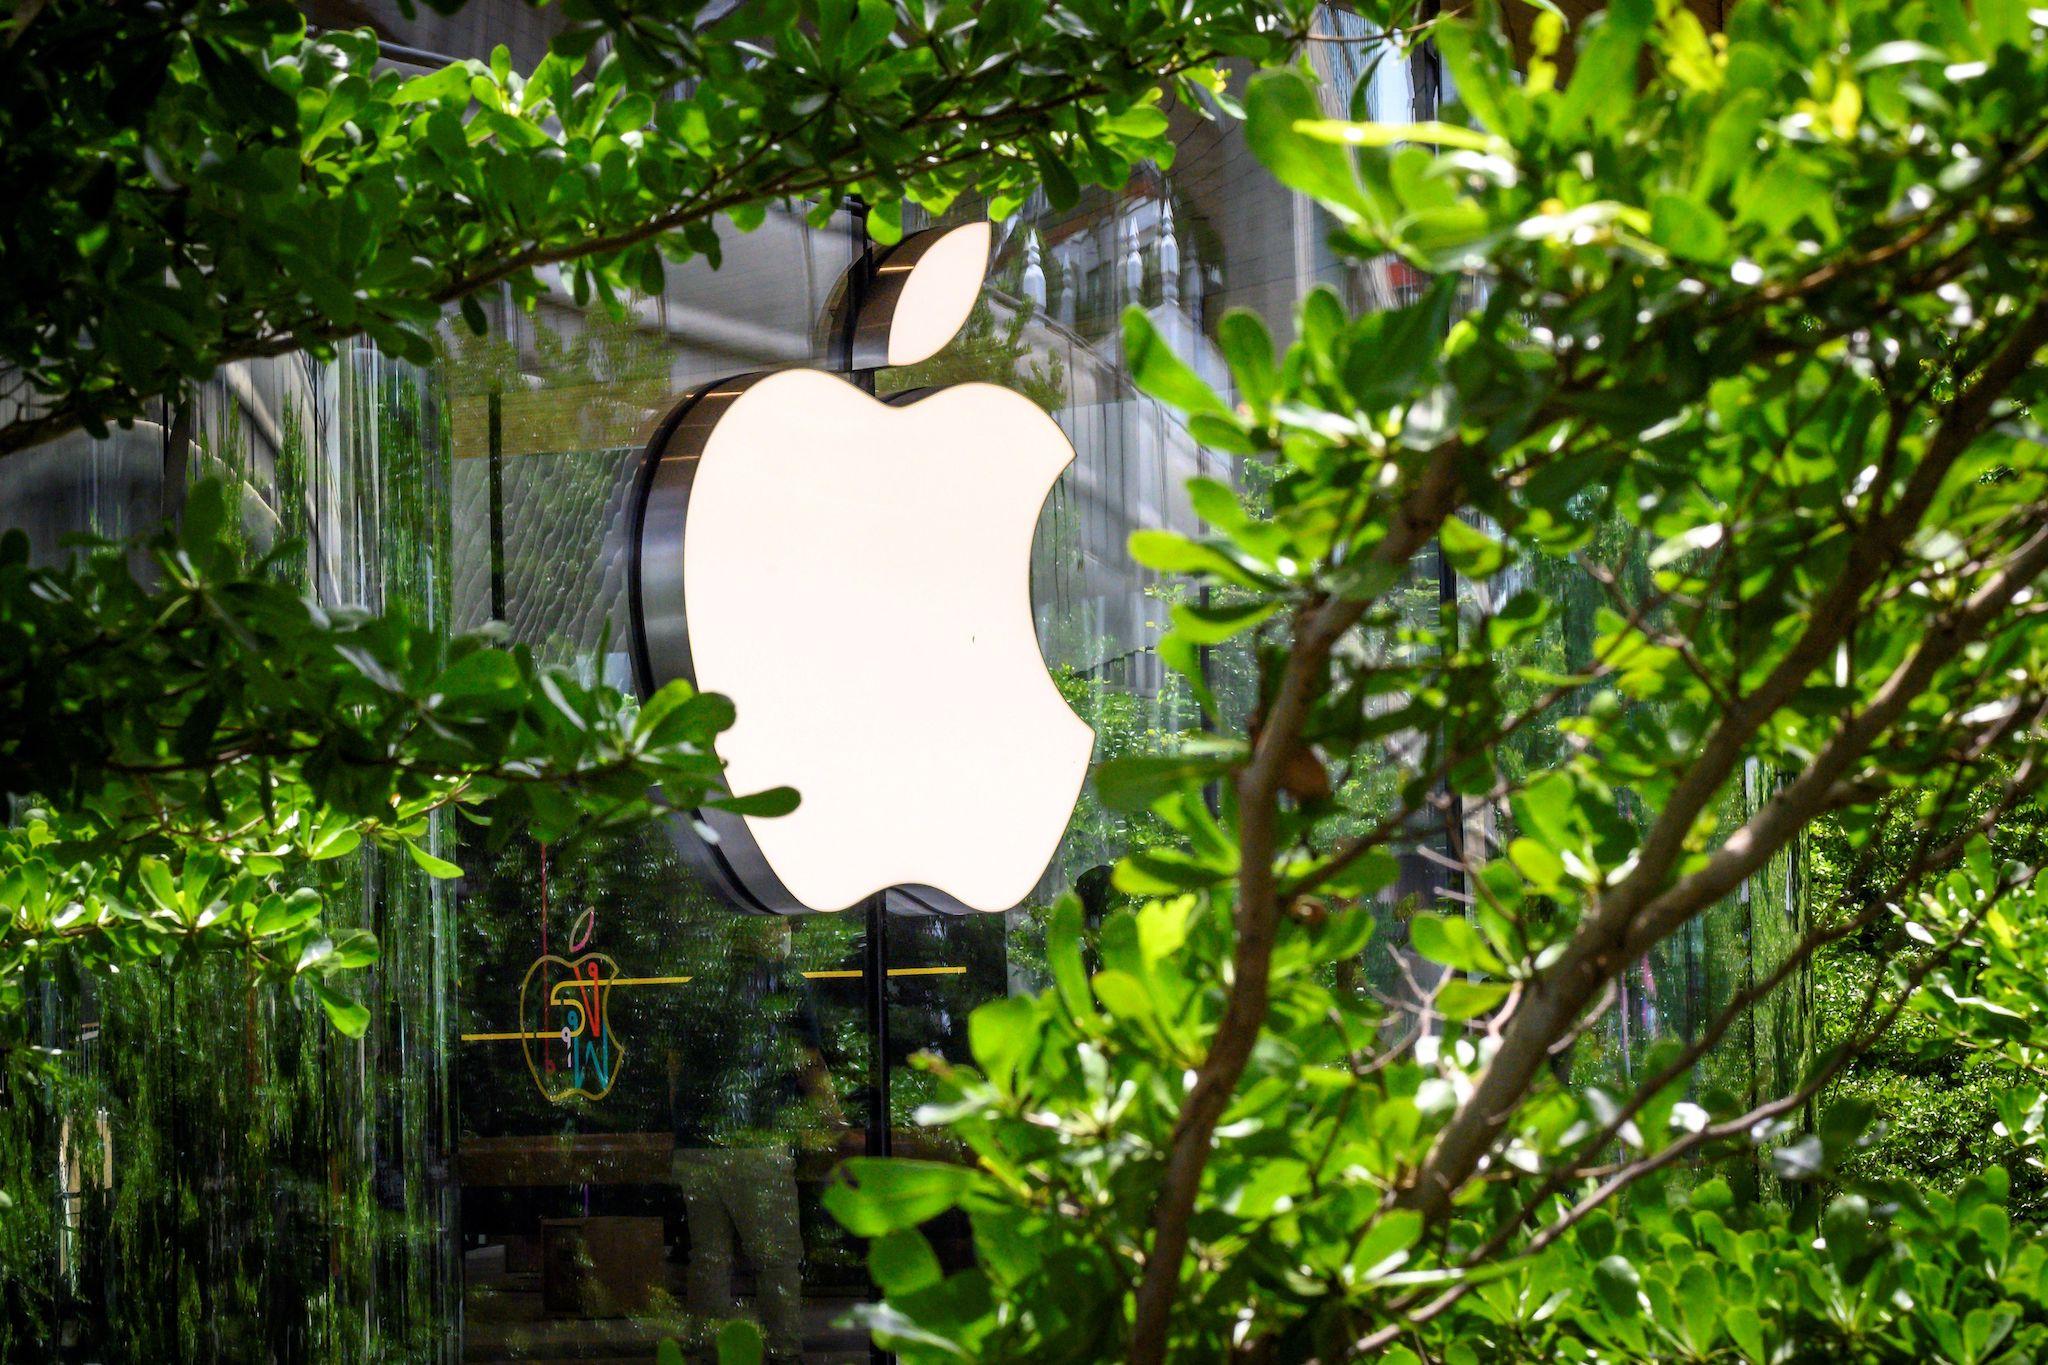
x: 678, y: 1190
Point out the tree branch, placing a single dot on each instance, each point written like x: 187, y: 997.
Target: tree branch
x: 1738, y: 1127
x: 1611, y: 935
x: 1434, y: 496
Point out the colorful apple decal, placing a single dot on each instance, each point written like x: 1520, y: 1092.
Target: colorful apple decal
x: 855, y: 576
x: 565, y: 1025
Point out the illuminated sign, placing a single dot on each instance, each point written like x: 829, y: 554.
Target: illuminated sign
x: 855, y: 575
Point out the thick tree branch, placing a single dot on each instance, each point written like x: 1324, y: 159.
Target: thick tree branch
x: 1738, y: 1127
x: 1616, y: 928
x: 1434, y: 496
x: 1928, y: 860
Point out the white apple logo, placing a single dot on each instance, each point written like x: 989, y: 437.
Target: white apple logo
x: 855, y: 576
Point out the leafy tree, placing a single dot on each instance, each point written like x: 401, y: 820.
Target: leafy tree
x: 186, y: 757
x: 1940, y: 1096
x: 200, y: 181
x: 1758, y: 331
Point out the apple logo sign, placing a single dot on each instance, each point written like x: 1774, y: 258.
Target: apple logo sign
x: 855, y: 575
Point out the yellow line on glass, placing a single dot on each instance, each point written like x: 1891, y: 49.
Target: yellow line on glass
x: 854, y: 974
x: 574, y: 984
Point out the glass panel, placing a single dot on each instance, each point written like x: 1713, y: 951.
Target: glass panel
x: 209, y: 1171
x: 655, y: 1085
x: 654, y: 1088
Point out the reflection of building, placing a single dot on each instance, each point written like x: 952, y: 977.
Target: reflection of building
x: 422, y: 1196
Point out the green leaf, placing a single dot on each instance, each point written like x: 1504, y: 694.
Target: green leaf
x: 1156, y: 370
x: 1847, y: 1228
x: 634, y: 111
x: 439, y: 868
x: 335, y: 841
x: 1001, y: 1034
x: 280, y: 914
x: 885, y: 222
x: 1277, y: 104
x: 1459, y: 999
x: 449, y: 82
x: 480, y: 673
x: 1133, y: 784
x: 350, y: 1017
x: 684, y: 717
x: 1385, y: 1248
x: 1602, y: 91
x: 1063, y: 956
x: 1452, y: 941
x: 739, y: 1343
x: 768, y: 804
x: 1746, y: 1329
x: 1688, y: 229
x: 660, y: 706
x: 161, y: 888
x: 1213, y: 625
x: 1268, y: 1183
x: 1169, y: 552
x: 1713, y: 1195
x: 1470, y: 551
x: 1538, y: 862
x: 902, y: 1262
x: 1699, y: 1299
x: 1142, y: 121
x: 1731, y: 141
x: 1162, y: 872
x: 1844, y: 1121
x: 1349, y: 134
x: 1062, y: 191
x: 1248, y: 349
x: 872, y: 1195
x: 1619, y: 1286
x: 1125, y: 995
x: 355, y: 948
x: 204, y: 518
x: 1366, y: 875
x: 316, y: 953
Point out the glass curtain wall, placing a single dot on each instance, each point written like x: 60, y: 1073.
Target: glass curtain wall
x: 653, y: 1085
x: 207, y: 1171
x: 597, y: 1104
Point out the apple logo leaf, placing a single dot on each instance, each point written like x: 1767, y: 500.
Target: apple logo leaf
x: 923, y: 290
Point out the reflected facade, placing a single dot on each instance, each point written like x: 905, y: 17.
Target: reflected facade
x: 597, y: 1104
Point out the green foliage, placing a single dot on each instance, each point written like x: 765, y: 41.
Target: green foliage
x: 1074, y: 1095
x: 1747, y: 351
x: 1071, y: 1098
x: 194, y: 758
x: 202, y: 180
x: 1939, y: 1094
x: 1703, y: 1276
x: 737, y: 1343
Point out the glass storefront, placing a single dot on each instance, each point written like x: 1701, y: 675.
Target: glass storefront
x: 596, y: 1104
